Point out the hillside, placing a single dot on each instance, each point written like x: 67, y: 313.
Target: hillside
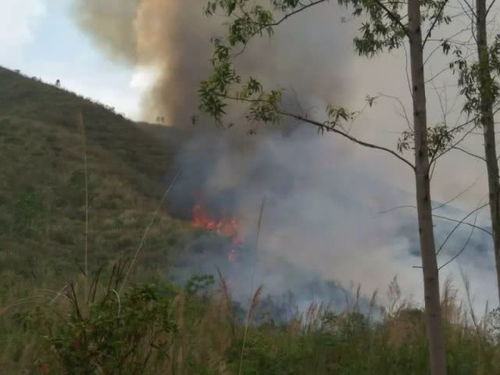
x: 43, y: 145
x: 57, y: 149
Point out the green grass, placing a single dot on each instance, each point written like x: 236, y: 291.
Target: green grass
x: 56, y: 320
x: 156, y: 328
x: 42, y: 193
x: 42, y: 189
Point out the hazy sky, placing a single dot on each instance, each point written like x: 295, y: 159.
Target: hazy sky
x: 40, y: 38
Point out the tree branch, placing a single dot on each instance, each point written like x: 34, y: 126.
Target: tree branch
x: 324, y: 127
x: 333, y: 129
x: 464, y: 223
x: 458, y: 195
x: 455, y: 144
x: 462, y: 249
x: 469, y: 153
x: 436, y: 19
x: 393, y: 17
x: 288, y: 15
x: 489, y: 7
x: 459, y: 222
x: 273, y: 24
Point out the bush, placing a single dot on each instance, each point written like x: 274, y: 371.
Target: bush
x: 115, y: 335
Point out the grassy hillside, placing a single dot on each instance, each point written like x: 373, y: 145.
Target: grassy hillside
x: 45, y: 135
x: 56, y: 148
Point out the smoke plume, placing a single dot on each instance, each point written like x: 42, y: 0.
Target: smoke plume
x: 171, y: 38
x: 322, y: 217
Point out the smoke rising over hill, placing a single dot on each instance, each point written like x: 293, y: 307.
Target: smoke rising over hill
x: 172, y: 37
x: 323, y: 201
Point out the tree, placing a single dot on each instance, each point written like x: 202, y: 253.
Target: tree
x: 385, y: 26
x: 479, y: 84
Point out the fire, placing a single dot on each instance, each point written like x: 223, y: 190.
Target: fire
x: 227, y: 227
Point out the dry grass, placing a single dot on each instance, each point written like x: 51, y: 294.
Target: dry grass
x: 207, y: 335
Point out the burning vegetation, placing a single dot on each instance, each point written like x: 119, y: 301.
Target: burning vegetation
x: 225, y: 226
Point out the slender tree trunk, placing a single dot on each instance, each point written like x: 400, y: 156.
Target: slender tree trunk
x: 435, y: 331
x: 488, y: 123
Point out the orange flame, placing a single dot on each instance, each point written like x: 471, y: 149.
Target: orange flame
x: 227, y: 227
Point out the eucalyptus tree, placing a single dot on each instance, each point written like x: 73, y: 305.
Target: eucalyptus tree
x: 479, y: 81
x: 385, y: 25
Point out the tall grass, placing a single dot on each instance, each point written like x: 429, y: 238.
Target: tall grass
x: 156, y: 328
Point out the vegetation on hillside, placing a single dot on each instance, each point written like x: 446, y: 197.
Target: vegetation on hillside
x: 46, y: 134
x: 42, y: 191
x: 54, y: 319
x: 156, y: 328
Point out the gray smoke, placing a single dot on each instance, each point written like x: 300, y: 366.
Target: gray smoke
x: 172, y: 38
x: 323, y: 219
x: 324, y: 197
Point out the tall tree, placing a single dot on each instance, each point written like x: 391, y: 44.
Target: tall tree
x: 479, y: 82
x: 435, y: 330
x: 386, y: 25
x: 487, y: 94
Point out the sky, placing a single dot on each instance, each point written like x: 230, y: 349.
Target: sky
x: 41, y: 39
